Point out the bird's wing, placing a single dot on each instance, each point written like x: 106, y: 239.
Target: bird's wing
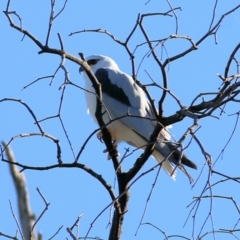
x: 123, y: 96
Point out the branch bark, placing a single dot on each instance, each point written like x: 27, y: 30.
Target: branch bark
x: 25, y: 213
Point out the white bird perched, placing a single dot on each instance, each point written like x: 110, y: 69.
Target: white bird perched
x: 121, y: 96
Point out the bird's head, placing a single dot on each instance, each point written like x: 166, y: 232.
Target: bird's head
x: 99, y: 61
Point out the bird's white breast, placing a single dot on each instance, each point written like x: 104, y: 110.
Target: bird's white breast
x: 90, y: 97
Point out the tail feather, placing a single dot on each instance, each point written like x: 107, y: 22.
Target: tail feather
x: 163, y: 150
x: 166, y: 164
x: 184, y: 160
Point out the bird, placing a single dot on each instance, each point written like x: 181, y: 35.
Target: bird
x: 123, y: 99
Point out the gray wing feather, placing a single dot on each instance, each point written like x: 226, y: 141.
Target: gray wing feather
x: 137, y: 105
x: 122, y: 96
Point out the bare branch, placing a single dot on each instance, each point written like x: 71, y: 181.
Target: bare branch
x: 107, y: 186
x: 76, y: 224
x: 8, y: 236
x: 65, y: 3
x: 148, y: 199
x: 55, y: 234
x: 228, y: 141
x: 213, y: 15
x: 199, y: 108
x: 28, y: 108
x: 44, y: 210
x: 209, y: 33
x: 15, y: 218
x: 56, y: 141
x: 175, y: 15
x: 26, y: 215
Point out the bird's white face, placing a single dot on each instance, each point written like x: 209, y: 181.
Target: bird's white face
x: 100, y: 61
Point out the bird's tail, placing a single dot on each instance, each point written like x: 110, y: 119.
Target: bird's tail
x: 166, y: 164
x: 174, y: 161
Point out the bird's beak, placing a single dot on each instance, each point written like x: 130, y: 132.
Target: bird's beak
x: 81, y: 69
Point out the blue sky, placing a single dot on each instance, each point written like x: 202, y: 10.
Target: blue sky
x: 72, y: 191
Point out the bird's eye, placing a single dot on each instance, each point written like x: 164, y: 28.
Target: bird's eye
x: 92, y: 61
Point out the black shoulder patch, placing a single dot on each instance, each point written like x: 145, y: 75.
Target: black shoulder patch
x: 111, y: 89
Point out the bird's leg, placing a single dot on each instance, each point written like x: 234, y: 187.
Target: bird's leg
x: 113, y: 151
x: 99, y: 136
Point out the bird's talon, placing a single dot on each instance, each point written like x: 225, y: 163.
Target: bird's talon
x: 117, y: 154
x: 114, y: 150
x: 105, y: 150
